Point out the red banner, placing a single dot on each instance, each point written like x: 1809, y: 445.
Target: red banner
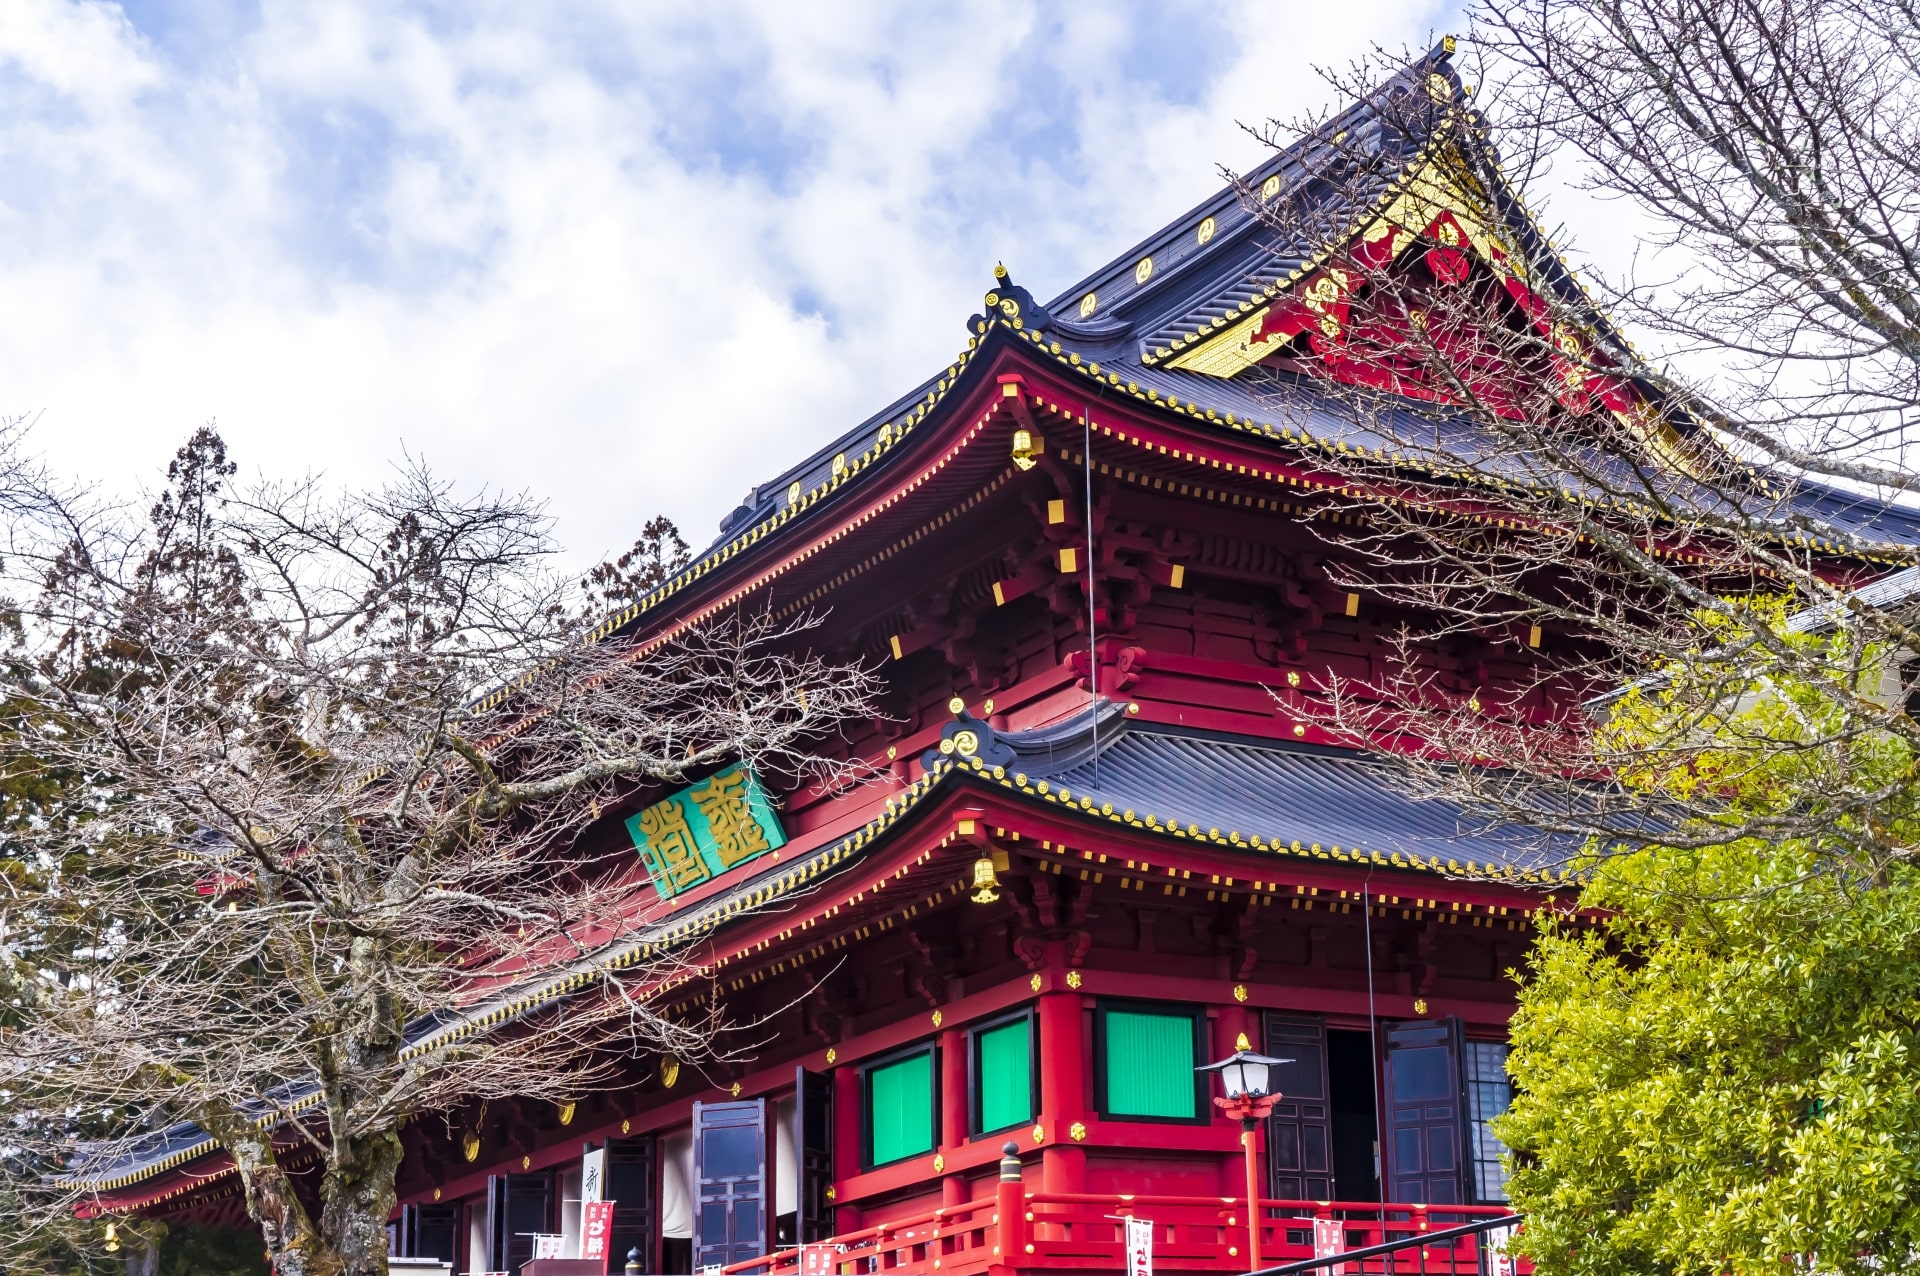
x: 1329, y: 1239
x: 596, y: 1230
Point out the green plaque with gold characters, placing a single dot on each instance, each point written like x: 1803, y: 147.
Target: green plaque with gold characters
x: 706, y: 830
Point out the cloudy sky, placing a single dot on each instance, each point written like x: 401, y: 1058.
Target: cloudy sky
x: 631, y: 257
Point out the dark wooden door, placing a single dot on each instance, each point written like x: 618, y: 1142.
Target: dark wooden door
x: 1300, y: 1131
x: 518, y: 1205
x: 430, y: 1231
x: 1425, y: 1112
x: 813, y: 1154
x: 632, y: 1179
x: 731, y: 1220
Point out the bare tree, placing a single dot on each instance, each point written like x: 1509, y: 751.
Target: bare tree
x: 334, y: 755
x: 1558, y: 515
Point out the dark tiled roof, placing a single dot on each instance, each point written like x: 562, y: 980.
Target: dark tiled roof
x: 1190, y: 281
x: 1263, y: 796
x: 1219, y: 259
x: 1869, y: 518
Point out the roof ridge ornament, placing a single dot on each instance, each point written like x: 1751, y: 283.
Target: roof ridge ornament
x: 1013, y: 304
x: 968, y: 737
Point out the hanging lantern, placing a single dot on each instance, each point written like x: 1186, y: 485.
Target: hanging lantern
x: 986, y: 884
x: 113, y: 1238
x: 1024, y: 449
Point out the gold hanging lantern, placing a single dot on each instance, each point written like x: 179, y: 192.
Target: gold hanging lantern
x: 113, y: 1238
x: 986, y: 884
x: 1024, y: 449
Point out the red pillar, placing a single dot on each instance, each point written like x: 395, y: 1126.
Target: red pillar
x: 1233, y: 1019
x: 954, y: 1115
x: 955, y: 1109
x: 1065, y: 1061
x: 846, y: 1139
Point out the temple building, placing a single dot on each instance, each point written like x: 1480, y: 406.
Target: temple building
x: 1111, y: 843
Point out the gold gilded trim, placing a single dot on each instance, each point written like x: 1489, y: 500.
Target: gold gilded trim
x: 1226, y: 355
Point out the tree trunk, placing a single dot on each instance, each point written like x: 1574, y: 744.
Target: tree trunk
x: 143, y: 1254
x: 293, y: 1247
x: 356, y: 1200
x: 357, y: 1196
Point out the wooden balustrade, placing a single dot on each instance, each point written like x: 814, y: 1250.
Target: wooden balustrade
x: 1083, y: 1232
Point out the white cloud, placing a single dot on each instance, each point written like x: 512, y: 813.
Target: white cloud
x: 632, y: 261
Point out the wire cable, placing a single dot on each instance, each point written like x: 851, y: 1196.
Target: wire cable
x: 1373, y: 1037
x: 1093, y: 645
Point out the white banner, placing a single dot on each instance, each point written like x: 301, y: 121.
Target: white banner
x: 1139, y: 1247
x: 593, y: 1175
x: 1499, y: 1259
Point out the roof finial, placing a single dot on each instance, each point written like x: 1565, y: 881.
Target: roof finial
x: 1009, y: 303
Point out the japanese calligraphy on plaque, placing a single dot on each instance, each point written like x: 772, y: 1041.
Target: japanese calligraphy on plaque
x: 701, y: 832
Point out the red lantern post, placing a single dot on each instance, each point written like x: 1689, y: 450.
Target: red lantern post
x: 1249, y: 1098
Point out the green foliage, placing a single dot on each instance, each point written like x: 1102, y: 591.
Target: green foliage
x: 1711, y: 1088
x: 1725, y: 1077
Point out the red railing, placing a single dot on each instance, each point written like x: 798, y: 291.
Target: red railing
x: 1077, y: 1232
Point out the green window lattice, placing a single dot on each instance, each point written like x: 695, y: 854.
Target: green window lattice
x: 1149, y: 1064
x: 900, y: 1108
x: 1003, y: 1062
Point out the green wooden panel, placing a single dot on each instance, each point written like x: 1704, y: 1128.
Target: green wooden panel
x: 1149, y: 1064
x: 900, y: 1108
x: 1004, y: 1060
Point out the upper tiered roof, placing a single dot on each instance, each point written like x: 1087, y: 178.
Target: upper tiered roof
x: 1157, y: 326
x: 1220, y: 260
x: 1215, y: 261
